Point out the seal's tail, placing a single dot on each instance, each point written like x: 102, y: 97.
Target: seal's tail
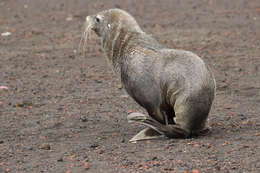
x: 171, y: 131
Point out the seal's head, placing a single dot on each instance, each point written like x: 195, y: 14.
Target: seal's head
x: 115, y: 28
x: 105, y: 22
x: 112, y: 26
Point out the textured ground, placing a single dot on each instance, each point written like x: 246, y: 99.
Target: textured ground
x: 64, y: 110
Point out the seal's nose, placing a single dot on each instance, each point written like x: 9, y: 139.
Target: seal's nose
x: 89, y: 23
x: 87, y: 19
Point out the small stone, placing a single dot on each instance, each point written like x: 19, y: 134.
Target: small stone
x: 195, y: 171
x: 245, y: 146
x: 98, y: 81
x: 86, y: 166
x: 83, y: 127
x: 155, y: 158
x: 4, y: 34
x: 29, y: 148
x: 157, y: 164
x: 24, y: 103
x: 60, y: 159
x: 45, y: 146
x: 101, y: 152
x: 4, y: 87
x: 69, y: 18
x: 20, y: 104
x: 94, y: 146
x: 83, y: 119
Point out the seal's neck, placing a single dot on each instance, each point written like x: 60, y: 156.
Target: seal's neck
x: 120, y: 41
x: 115, y: 44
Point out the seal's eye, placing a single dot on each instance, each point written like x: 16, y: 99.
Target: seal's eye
x: 97, y: 20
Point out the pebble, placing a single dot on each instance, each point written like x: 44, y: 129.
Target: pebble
x: 86, y: 166
x: 45, y: 146
x: 83, y: 119
x: 4, y: 34
x: 155, y: 158
x: 60, y: 159
x: 4, y: 87
x: 94, y: 146
x: 69, y: 18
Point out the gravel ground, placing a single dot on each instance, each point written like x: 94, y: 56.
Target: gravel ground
x: 63, y: 110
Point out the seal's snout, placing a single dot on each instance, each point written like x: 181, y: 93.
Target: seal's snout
x: 88, y: 19
x: 89, y: 22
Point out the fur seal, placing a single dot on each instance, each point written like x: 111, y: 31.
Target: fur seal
x: 174, y: 86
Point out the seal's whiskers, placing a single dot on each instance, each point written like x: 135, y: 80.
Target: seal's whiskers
x: 81, y: 39
x: 84, y: 38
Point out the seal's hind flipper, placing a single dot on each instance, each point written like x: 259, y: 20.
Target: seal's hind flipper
x: 204, y: 132
x: 171, y: 131
x: 146, y: 134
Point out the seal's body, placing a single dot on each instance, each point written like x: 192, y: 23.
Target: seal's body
x: 175, y: 86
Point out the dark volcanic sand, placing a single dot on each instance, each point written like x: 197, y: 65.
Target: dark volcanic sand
x: 64, y: 110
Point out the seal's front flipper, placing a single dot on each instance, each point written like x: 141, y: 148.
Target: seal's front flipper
x: 135, y: 116
x: 146, y: 134
x: 145, y: 120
